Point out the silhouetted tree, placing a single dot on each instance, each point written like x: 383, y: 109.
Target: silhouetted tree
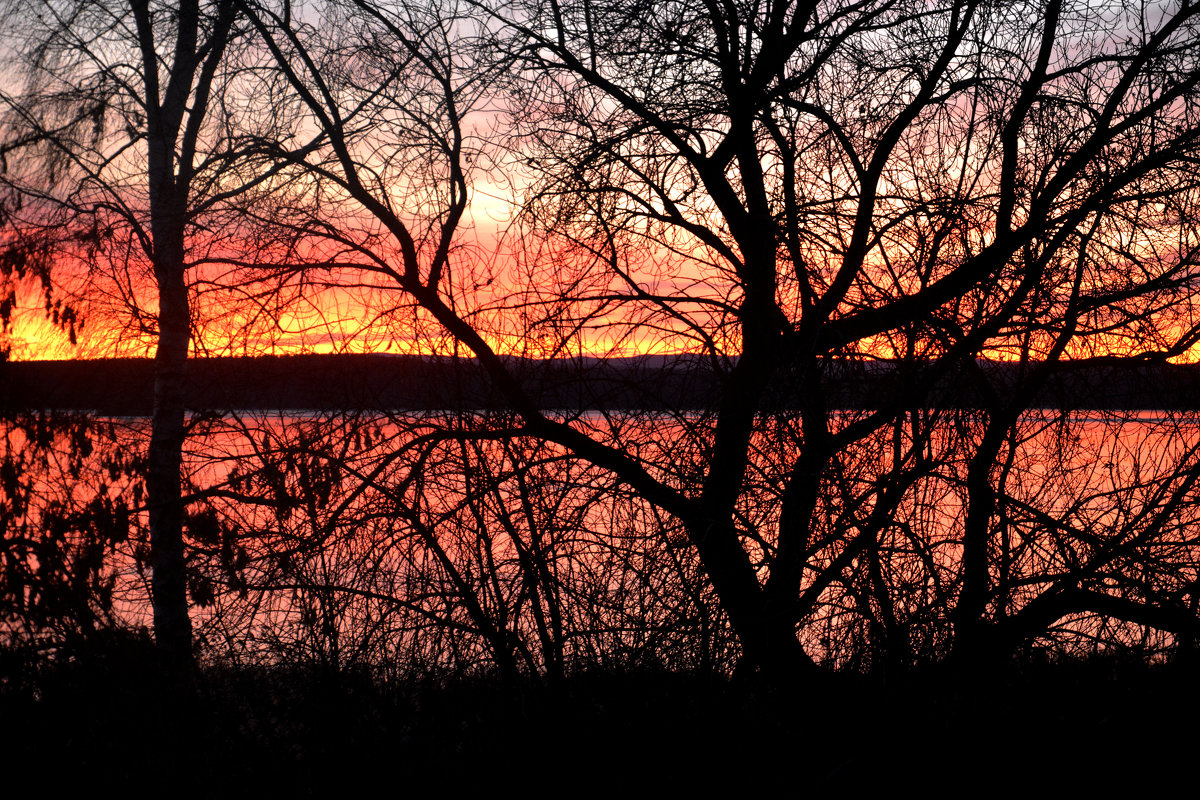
x: 780, y: 185
x: 119, y: 134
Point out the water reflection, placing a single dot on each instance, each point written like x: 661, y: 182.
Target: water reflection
x: 429, y: 541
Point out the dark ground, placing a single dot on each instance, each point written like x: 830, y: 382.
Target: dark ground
x: 106, y: 720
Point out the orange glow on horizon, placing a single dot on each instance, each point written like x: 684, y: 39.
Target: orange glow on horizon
x: 380, y: 320
x: 553, y: 299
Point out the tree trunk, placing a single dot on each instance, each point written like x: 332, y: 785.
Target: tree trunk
x: 174, y: 114
x: 766, y: 631
x: 172, y: 626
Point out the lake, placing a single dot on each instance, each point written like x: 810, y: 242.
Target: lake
x: 428, y: 540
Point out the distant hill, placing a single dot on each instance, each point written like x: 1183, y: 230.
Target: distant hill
x: 330, y: 382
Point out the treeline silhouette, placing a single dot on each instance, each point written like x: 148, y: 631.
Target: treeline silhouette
x: 124, y: 387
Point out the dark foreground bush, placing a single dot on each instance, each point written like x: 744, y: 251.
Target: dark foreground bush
x: 106, y: 720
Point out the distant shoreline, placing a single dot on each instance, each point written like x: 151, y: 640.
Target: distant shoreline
x: 124, y: 387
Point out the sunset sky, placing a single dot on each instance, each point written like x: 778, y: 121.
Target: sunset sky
x: 940, y: 184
